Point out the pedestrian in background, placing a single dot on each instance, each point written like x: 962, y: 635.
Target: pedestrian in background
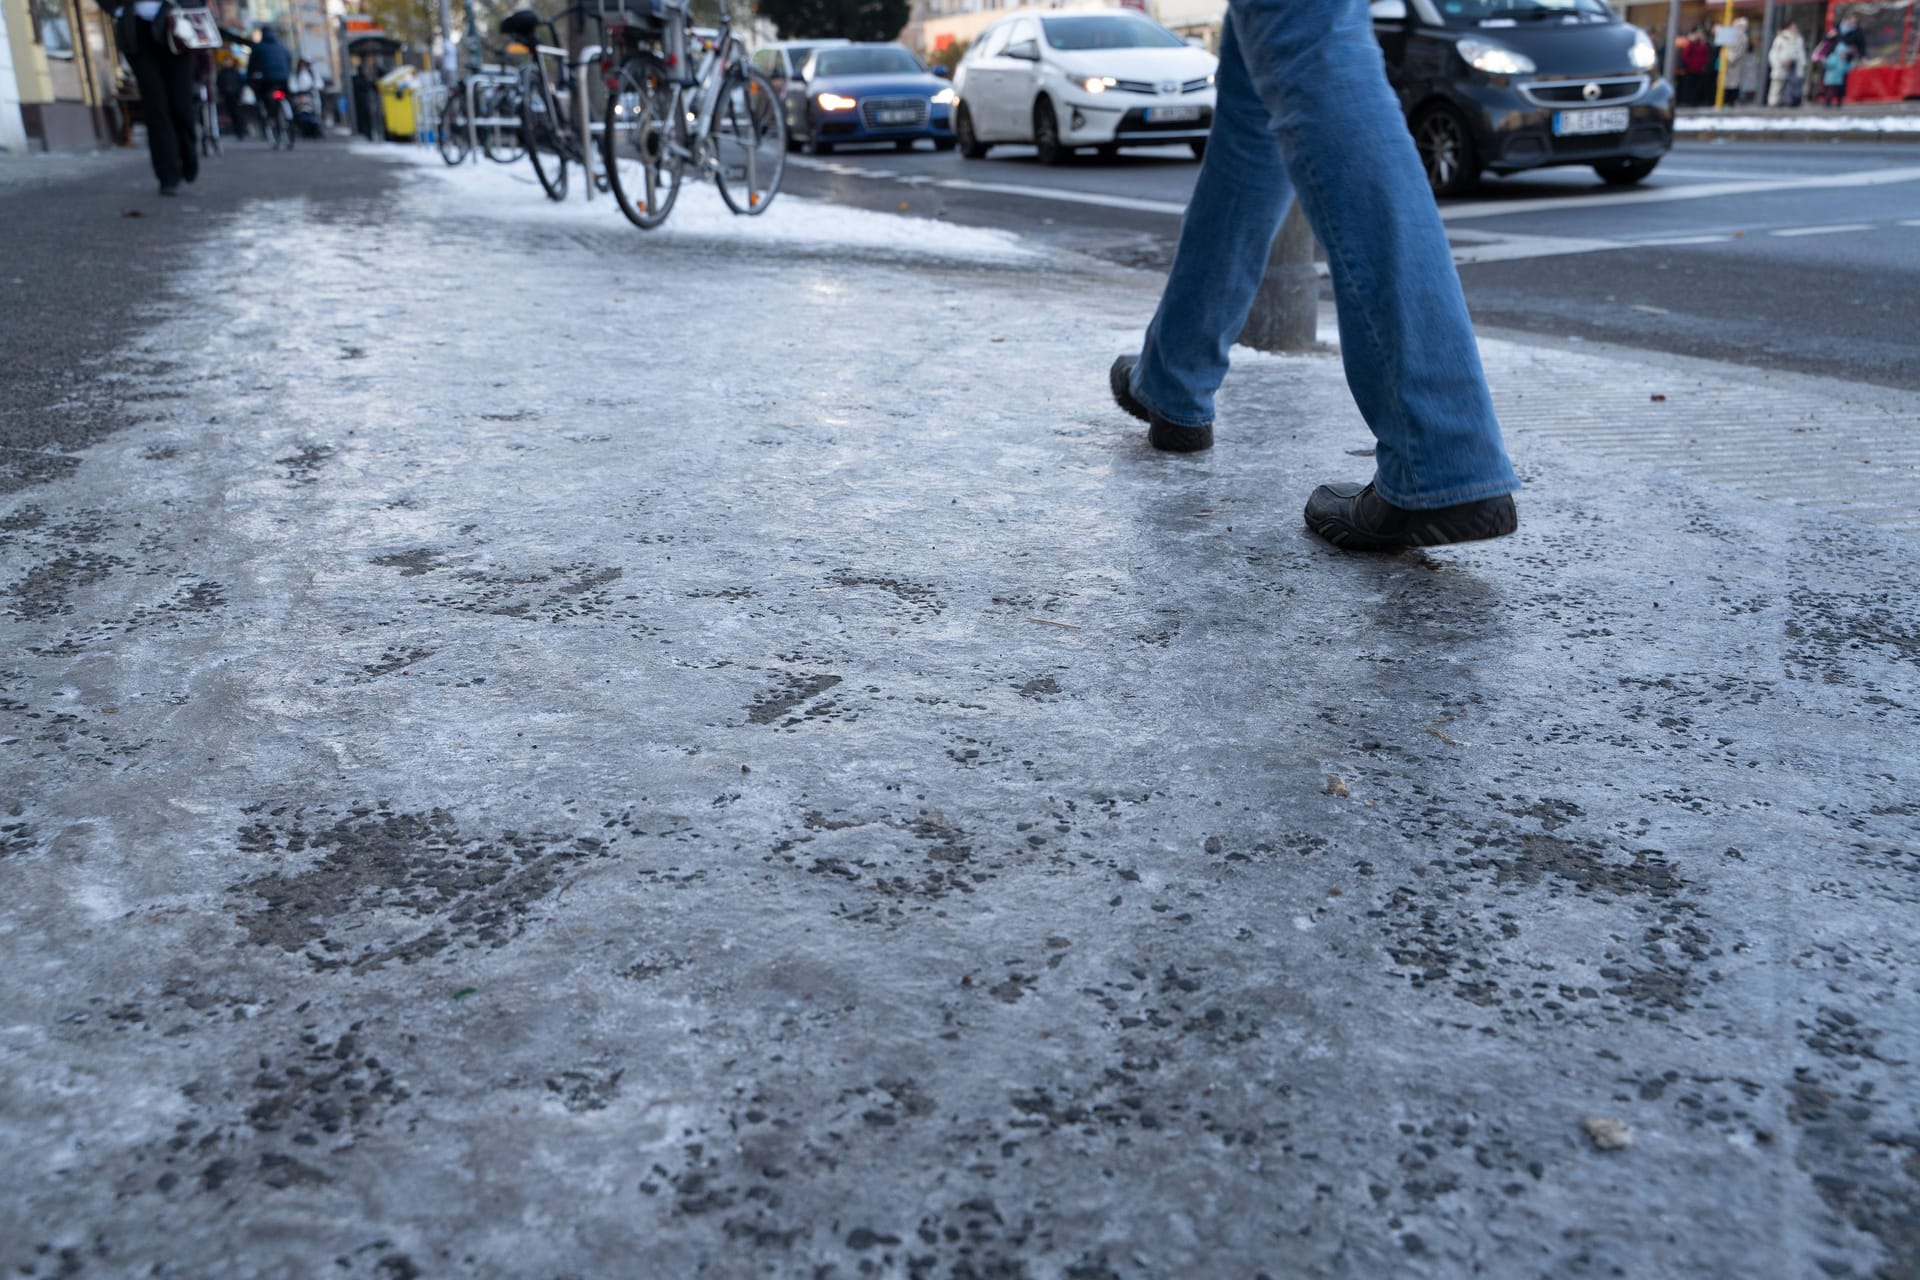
x: 1854, y: 38
x: 165, y: 78
x: 228, y: 83
x: 1304, y: 111
x: 1697, y: 61
x: 1734, y: 50
x: 1833, y: 90
x: 1786, y: 60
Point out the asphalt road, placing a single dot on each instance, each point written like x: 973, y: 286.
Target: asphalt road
x: 1803, y: 256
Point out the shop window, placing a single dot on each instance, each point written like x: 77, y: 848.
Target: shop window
x: 52, y: 28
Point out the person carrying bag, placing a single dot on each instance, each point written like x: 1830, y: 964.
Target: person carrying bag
x: 158, y: 41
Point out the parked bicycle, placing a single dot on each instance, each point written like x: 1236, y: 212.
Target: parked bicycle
x: 547, y: 128
x: 483, y: 110
x: 666, y: 113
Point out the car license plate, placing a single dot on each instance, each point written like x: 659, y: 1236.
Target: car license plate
x: 1605, y: 120
x: 895, y: 117
x: 1167, y: 115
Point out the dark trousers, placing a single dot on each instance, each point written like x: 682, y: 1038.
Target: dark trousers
x: 236, y: 113
x: 166, y: 102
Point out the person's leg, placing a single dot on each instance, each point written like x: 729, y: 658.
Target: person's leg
x: 1405, y: 336
x: 1238, y: 202
x: 177, y: 72
x: 162, y: 146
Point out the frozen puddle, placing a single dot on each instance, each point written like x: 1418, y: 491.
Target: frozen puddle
x: 510, y: 192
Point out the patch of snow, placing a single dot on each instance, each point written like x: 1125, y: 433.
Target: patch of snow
x: 1798, y: 124
x: 511, y: 192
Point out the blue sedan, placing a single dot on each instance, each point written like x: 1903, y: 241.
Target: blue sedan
x: 868, y: 93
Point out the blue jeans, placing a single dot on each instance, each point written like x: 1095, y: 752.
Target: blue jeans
x: 1304, y: 103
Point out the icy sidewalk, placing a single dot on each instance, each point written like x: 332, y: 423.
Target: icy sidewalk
x: 711, y: 755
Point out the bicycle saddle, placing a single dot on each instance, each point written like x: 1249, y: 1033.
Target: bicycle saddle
x: 521, y: 24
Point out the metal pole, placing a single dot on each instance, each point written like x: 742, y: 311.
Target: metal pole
x: 582, y: 127
x: 1286, y: 310
x: 1673, y: 37
x: 1766, y: 49
x: 1720, y: 82
x: 449, y: 58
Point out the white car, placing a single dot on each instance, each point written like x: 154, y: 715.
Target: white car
x: 1106, y: 78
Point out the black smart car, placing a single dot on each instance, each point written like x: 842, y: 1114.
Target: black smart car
x: 1507, y: 85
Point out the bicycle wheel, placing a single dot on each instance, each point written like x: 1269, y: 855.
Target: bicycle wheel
x: 643, y: 165
x: 454, y: 140
x: 501, y: 142
x: 749, y: 141
x: 539, y: 134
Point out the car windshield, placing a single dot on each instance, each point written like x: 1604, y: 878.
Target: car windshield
x: 798, y: 55
x: 879, y: 60
x: 1500, y: 13
x: 1108, y: 31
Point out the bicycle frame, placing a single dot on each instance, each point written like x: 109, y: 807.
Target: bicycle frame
x: 707, y: 80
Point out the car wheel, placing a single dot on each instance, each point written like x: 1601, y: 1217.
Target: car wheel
x: 815, y: 147
x: 1199, y: 146
x: 1446, y: 151
x: 1624, y: 173
x: 1046, y: 134
x: 970, y: 145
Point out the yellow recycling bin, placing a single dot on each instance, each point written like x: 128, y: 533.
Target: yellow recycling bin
x: 397, y: 103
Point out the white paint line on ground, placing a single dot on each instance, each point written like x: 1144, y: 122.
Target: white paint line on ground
x: 1831, y: 229
x: 1662, y: 195
x: 1058, y: 195
x: 1910, y: 222
x: 1670, y: 240
x: 1174, y: 207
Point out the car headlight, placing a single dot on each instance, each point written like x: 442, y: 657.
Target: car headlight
x: 1642, y: 55
x: 945, y: 98
x: 834, y: 102
x: 1095, y: 84
x: 1494, y: 59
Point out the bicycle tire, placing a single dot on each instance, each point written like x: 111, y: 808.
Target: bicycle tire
x: 535, y: 135
x: 641, y: 170
x: 750, y: 141
x: 502, y: 143
x: 453, y: 135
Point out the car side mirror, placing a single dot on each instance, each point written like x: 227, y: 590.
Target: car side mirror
x: 1388, y: 10
x: 945, y: 73
x: 1025, y: 51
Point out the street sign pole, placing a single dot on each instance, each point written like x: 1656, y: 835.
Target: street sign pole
x: 1673, y: 37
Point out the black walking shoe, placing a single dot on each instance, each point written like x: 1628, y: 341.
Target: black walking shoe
x: 1161, y: 434
x: 169, y: 188
x: 1355, y: 517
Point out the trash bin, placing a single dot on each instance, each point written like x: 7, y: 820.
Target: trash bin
x: 397, y: 103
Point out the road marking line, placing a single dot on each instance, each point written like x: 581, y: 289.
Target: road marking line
x: 1831, y: 229
x: 1671, y: 240
x: 1910, y: 222
x: 1454, y: 213
x: 1661, y: 195
x: 1176, y: 208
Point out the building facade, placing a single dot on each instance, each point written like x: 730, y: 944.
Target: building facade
x: 65, y: 74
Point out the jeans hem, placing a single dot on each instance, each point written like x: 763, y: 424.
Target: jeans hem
x: 1164, y: 417
x: 1449, y: 497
